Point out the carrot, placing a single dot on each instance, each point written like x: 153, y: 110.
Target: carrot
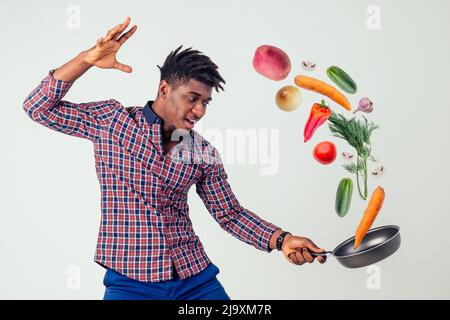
x: 372, y: 210
x: 324, y: 88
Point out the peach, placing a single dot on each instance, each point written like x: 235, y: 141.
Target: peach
x: 271, y: 62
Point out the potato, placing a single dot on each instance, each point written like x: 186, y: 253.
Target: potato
x: 271, y: 62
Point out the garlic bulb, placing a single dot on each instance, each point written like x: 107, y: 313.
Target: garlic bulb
x: 365, y: 105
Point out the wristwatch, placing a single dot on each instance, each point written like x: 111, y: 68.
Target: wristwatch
x: 280, y: 239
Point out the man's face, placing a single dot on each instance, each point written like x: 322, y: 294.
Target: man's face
x: 186, y: 104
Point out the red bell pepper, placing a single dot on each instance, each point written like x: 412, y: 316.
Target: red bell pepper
x: 318, y: 115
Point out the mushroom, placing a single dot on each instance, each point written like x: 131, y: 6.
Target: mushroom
x: 308, y: 65
x: 347, y: 156
x: 378, y: 171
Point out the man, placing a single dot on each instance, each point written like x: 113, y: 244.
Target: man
x: 146, y: 240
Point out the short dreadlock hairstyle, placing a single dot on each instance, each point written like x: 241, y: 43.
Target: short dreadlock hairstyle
x: 180, y: 66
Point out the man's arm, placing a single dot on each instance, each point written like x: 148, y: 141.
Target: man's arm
x: 73, y: 69
x: 216, y: 194
x: 86, y: 120
x: 219, y: 199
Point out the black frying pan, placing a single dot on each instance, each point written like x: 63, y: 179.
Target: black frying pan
x: 378, y: 244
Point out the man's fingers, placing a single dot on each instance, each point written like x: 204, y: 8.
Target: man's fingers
x: 111, y: 33
x: 124, y: 25
x: 307, y: 255
x: 293, y: 258
x: 122, y: 67
x: 313, y: 247
x: 100, y: 41
x: 321, y: 259
x: 117, y: 30
x: 127, y: 35
x: 299, y: 257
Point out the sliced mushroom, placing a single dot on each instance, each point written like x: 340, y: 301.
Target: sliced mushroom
x: 308, y: 65
x: 378, y: 171
x: 347, y: 156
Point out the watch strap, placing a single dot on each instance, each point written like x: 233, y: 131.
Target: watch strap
x: 280, y: 239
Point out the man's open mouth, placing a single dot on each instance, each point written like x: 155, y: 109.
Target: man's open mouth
x: 190, y: 122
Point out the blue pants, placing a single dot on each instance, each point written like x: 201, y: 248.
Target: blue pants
x: 202, y: 286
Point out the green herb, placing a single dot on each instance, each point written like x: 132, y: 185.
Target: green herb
x: 357, y: 133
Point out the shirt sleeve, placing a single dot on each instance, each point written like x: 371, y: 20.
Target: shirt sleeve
x: 85, y: 120
x: 219, y: 199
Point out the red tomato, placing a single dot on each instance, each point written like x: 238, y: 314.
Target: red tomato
x: 325, y: 152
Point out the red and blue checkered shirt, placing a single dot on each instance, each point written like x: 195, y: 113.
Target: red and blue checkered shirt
x: 145, y: 229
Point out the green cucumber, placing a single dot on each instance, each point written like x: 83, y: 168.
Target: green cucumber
x: 342, y: 79
x: 344, y: 196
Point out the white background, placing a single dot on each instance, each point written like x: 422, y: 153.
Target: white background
x: 50, y: 196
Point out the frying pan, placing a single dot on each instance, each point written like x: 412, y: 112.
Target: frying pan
x: 378, y: 244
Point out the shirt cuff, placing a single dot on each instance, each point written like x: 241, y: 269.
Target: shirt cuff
x: 56, y: 88
x: 263, y: 235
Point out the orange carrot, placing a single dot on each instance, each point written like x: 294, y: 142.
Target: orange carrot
x: 324, y: 88
x: 372, y: 210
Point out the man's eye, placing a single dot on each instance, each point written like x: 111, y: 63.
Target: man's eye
x: 206, y: 104
x: 192, y: 98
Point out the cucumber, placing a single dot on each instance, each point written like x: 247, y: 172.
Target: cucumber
x: 344, y: 196
x: 342, y: 79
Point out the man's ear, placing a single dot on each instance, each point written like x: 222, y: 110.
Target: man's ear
x: 163, y: 88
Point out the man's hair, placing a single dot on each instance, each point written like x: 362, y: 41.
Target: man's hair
x: 180, y: 66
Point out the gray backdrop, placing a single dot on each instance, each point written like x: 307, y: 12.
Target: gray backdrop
x: 396, y: 50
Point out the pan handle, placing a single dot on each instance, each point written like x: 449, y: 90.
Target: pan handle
x: 320, y: 254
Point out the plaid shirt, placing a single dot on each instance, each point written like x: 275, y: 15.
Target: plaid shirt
x: 145, y: 229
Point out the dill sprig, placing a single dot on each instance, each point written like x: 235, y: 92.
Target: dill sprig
x: 357, y: 133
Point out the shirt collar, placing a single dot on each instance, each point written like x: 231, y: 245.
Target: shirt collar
x: 150, y: 116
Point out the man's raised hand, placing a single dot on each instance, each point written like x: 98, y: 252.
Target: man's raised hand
x: 103, y: 54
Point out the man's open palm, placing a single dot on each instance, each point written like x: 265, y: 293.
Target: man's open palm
x: 103, y: 54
